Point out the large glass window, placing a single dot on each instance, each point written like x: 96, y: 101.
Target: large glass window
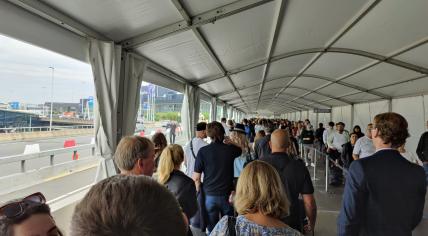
x: 204, y: 111
x: 46, y: 105
x: 160, y: 111
x: 219, y: 113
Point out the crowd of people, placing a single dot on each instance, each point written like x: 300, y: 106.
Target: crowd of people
x: 246, y: 178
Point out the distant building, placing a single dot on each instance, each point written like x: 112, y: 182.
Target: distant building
x: 61, y: 107
x: 165, y: 100
x: 11, y: 118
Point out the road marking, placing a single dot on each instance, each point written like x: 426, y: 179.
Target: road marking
x: 69, y: 173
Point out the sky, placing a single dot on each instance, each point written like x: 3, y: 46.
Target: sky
x: 25, y: 75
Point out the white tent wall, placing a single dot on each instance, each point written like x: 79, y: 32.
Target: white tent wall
x: 22, y: 25
x: 365, y: 112
x: 324, y: 118
x: 414, y: 110
x: 343, y: 114
x: 305, y: 115
x: 313, y: 118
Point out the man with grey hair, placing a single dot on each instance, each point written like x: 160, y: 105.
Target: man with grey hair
x: 135, y: 156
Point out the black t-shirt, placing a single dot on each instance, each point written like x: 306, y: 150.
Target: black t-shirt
x: 216, y: 162
x: 296, y: 180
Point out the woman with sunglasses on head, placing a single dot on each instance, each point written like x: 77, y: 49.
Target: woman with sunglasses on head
x: 28, y: 216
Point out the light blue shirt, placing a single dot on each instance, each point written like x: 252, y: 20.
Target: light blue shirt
x: 364, y: 147
x: 238, y: 165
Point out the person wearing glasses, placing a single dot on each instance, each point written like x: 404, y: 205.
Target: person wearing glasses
x: 27, y: 216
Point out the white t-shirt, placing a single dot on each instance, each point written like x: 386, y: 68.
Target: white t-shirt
x: 364, y: 147
x: 337, y: 140
x: 189, y: 158
x: 226, y: 129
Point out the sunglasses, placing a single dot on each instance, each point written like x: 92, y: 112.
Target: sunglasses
x: 17, y: 209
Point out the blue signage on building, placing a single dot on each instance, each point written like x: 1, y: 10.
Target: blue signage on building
x: 14, y: 105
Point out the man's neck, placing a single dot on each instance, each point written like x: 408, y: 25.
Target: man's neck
x: 381, y: 145
x: 279, y: 150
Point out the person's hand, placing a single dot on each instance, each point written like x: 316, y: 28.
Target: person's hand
x: 227, y: 141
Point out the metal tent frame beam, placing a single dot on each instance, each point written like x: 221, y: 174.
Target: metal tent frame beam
x: 47, y: 12
x: 274, y: 39
x: 206, y: 45
x: 191, y: 23
x: 327, y: 79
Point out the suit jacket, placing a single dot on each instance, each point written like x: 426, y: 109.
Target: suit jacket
x: 384, y: 195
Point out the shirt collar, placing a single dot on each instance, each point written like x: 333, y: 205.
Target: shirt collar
x: 383, y: 149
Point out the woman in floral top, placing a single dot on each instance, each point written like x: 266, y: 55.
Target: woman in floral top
x: 260, y: 202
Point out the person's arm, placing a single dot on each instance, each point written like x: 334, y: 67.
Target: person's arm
x: 357, y: 150
x: 199, y: 168
x: 420, y: 148
x: 310, y: 209
x: 330, y: 139
x: 354, y: 202
x: 420, y: 201
x: 197, y: 178
x: 307, y: 191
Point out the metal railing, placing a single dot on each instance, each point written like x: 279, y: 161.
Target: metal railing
x: 328, y: 159
x: 23, y: 158
x: 43, y: 128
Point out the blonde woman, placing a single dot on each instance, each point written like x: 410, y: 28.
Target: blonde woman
x: 237, y: 136
x: 177, y: 182
x: 260, y: 202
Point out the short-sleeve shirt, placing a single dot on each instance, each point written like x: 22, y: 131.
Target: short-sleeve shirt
x: 215, y: 161
x: 190, y: 159
x: 296, y: 180
x: 364, y: 147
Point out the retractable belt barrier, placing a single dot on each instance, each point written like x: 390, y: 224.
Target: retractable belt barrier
x: 319, y: 153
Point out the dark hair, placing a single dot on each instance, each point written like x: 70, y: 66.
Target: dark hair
x: 128, y: 205
x: 355, y: 127
x: 7, y: 223
x: 340, y: 123
x: 159, y: 140
x: 392, y: 127
x: 223, y: 120
x: 331, y: 124
x: 215, y: 131
x: 321, y: 125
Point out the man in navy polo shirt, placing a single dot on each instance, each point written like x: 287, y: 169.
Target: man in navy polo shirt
x: 215, y: 161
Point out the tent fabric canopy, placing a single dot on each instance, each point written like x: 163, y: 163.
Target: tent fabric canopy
x: 264, y: 55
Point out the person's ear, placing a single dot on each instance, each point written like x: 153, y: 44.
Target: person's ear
x: 140, y: 163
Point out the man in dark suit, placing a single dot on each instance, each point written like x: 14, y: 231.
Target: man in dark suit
x: 384, y: 193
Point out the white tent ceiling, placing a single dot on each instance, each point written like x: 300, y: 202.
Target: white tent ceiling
x: 268, y: 55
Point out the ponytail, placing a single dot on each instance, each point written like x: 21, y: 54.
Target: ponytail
x: 171, y: 157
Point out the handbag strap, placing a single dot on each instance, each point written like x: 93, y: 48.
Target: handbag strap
x: 231, y: 223
x: 191, y: 148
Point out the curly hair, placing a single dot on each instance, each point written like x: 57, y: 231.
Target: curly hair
x: 393, y: 128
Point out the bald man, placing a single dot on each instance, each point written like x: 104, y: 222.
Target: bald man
x: 296, y: 180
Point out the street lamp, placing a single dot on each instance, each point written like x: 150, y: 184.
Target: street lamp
x: 52, y: 85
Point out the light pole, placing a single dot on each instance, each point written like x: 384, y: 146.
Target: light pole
x: 52, y: 85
